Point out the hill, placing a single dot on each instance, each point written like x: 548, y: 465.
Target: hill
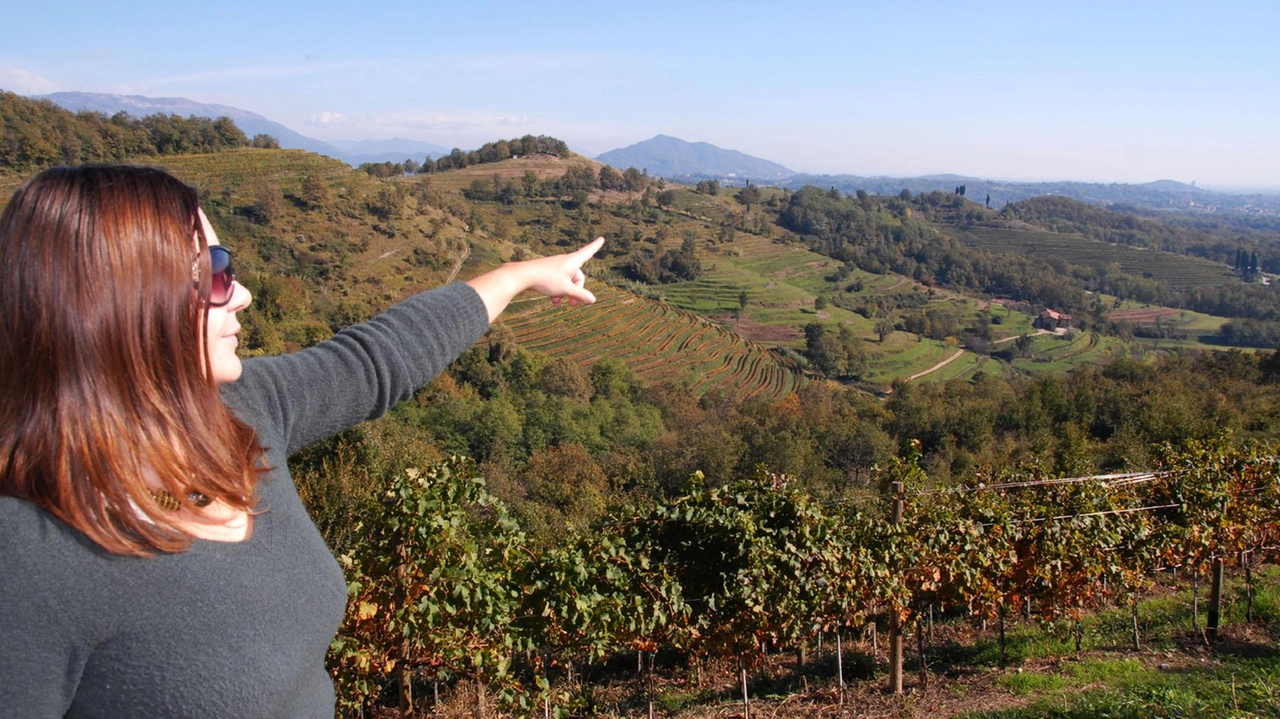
x: 396, y: 149
x: 316, y: 269
x: 37, y: 134
x: 139, y: 106
x: 901, y: 286
x: 671, y: 157
x: 351, y: 152
x: 1162, y: 195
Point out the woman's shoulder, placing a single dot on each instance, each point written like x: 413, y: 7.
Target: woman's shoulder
x: 20, y: 518
x: 47, y: 566
x: 32, y: 537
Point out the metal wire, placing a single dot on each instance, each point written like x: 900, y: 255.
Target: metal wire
x: 1088, y: 514
x: 1114, y: 480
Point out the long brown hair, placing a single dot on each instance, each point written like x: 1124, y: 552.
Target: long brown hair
x: 103, y: 376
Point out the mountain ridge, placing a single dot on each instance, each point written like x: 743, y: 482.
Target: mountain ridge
x: 353, y: 152
x: 677, y: 159
x: 671, y: 157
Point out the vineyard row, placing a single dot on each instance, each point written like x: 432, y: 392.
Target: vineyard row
x: 444, y: 583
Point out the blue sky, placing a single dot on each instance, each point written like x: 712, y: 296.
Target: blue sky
x: 1099, y: 91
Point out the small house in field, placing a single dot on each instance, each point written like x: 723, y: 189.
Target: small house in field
x: 1051, y: 320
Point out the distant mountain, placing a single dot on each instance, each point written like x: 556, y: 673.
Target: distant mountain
x: 1158, y: 195
x: 1171, y: 186
x: 671, y: 157
x: 250, y: 122
x: 396, y: 149
x: 351, y: 152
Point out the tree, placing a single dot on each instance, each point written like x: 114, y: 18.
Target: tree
x: 263, y: 141
x: 666, y: 198
x: 826, y: 355
x: 708, y: 187
x: 386, y: 201
x: 749, y: 196
x: 563, y: 378
x: 315, y: 191
x: 636, y: 180
x: 855, y: 357
x: 502, y: 343
x: 568, y: 488
x: 530, y: 184
x: 269, y: 204
x: 611, y: 179
x: 611, y: 377
x: 884, y: 328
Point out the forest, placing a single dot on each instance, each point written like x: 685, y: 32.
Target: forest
x: 37, y: 134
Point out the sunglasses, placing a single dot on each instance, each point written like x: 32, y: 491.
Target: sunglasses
x: 223, y: 282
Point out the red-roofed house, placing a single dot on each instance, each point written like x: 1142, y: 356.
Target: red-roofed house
x: 1051, y: 320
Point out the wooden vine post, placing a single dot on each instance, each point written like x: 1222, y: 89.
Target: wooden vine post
x: 1215, y: 598
x: 839, y: 668
x: 895, y: 617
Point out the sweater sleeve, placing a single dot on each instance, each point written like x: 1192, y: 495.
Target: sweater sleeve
x: 362, y: 371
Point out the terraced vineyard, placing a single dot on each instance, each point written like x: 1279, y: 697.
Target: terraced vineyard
x: 1173, y: 270
x: 244, y: 169
x: 658, y: 342
x: 250, y: 168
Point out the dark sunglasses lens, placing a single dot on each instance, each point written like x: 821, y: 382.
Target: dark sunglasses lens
x: 223, y: 275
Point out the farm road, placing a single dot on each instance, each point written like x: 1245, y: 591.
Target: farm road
x: 937, y: 367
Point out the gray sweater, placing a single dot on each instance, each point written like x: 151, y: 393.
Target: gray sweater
x: 223, y: 629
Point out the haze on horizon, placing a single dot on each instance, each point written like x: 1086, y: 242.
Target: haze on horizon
x: 1085, y: 91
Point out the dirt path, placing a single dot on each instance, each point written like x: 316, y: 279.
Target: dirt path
x: 466, y: 252
x: 1014, y: 337
x: 901, y: 281
x: 936, y: 367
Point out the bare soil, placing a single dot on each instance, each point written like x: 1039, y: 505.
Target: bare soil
x: 1142, y: 316
x: 756, y: 331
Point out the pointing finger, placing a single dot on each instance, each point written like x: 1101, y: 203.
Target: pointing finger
x: 587, y: 251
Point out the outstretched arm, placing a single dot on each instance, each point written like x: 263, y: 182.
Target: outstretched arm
x: 559, y: 277
x: 364, y: 370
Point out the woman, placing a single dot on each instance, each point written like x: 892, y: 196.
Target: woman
x: 155, y: 559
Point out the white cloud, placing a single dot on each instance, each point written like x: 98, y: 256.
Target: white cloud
x: 434, y: 126
x: 450, y: 122
x: 326, y: 118
x: 25, y: 82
